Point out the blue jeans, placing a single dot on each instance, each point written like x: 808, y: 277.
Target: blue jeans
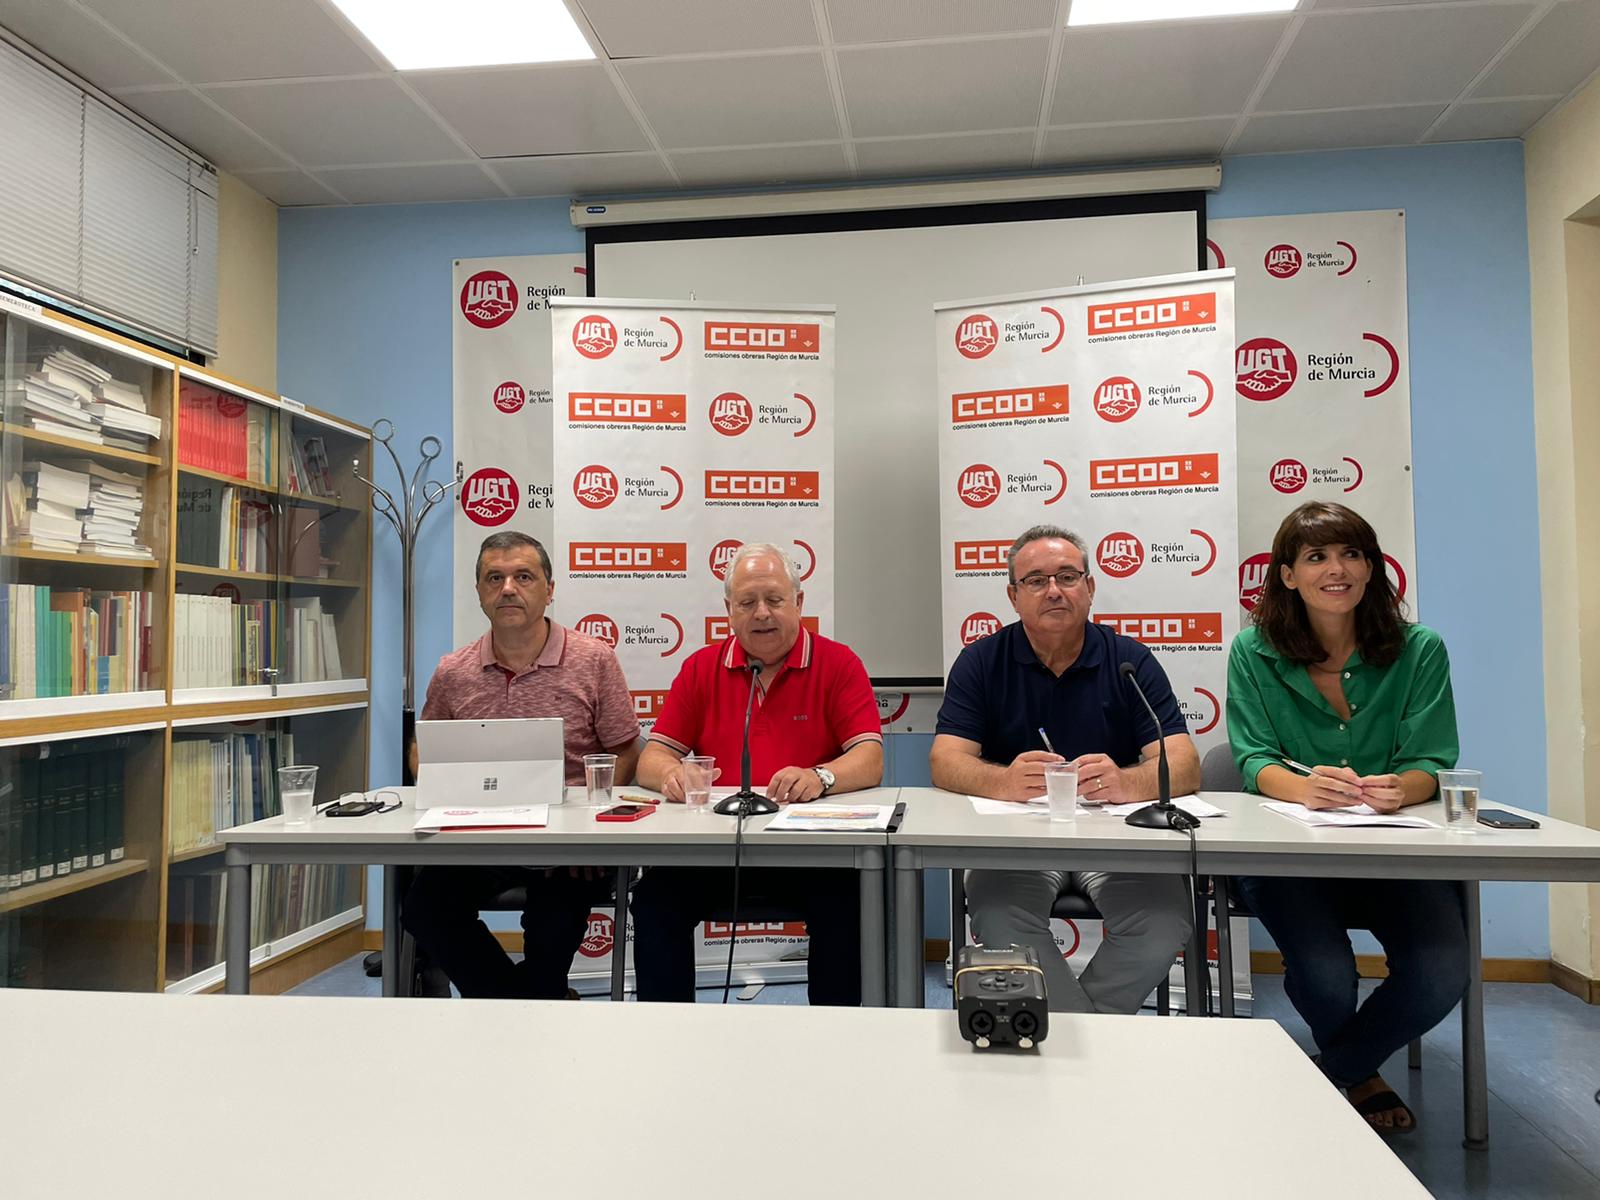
x: 1419, y: 923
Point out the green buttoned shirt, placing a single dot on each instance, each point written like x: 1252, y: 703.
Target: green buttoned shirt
x: 1402, y: 717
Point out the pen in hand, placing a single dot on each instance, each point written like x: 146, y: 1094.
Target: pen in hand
x: 1045, y: 738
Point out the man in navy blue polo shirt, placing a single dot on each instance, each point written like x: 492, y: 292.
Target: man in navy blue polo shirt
x: 1056, y: 670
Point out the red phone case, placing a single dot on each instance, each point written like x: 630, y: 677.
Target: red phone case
x: 612, y: 814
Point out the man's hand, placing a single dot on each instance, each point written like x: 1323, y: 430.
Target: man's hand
x: 1024, y: 778
x: 794, y: 785
x: 1101, y: 781
x: 1383, y: 792
x: 672, y: 782
x: 1332, y: 787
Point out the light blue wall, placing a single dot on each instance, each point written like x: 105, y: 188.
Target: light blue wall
x: 364, y: 302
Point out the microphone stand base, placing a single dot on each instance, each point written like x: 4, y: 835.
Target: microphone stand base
x: 1153, y: 816
x: 745, y: 803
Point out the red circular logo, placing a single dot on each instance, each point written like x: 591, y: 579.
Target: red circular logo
x: 1397, y: 576
x: 509, y: 397
x: 597, y: 938
x: 1282, y: 261
x: 230, y: 590
x: 488, y: 299
x: 489, y: 496
x: 1267, y: 369
x: 1069, y: 944
x: 1288, y: 475
x: 600, y: 627
x: 978, y: 486
x: 1253, y: 580
x: 977, y: 335
x: 722, y: 557
x: 594, y: 336
x: 731, y: 414
x: 1118, y: 398
x: 595, y: 486
x: 978, y: 625
x: 229, y: 406
x: 1119, y: 554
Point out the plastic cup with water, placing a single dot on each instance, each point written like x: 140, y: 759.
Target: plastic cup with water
x: 599, y: 776
x: 1061, y: 790
x: 1459, y: 791
x: 297, y: 788
x: 698, y: 772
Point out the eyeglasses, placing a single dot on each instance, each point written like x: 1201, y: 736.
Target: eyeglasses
x: 1038, y: 583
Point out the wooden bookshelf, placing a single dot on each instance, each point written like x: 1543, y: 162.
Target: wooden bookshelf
x: 87, y: 449
x: 262, y: 577
x: 249, y: 485
x: 53, y: 889
x: 90, y: 560
x: 175, y: 857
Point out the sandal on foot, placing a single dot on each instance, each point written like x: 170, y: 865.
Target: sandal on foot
x: 1382, y: 1102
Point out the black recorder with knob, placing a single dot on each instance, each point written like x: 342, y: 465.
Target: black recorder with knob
x: 1000, y: 997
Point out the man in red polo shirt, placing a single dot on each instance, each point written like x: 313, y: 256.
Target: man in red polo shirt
x: 526, y: 665
x: 815, y: 731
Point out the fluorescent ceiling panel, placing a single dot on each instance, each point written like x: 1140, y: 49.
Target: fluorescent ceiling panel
x: 415, y: 35
x: 1124, y: 12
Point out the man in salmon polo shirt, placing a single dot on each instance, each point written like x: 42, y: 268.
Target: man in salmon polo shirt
x: 526, y: 665
x: 815, y: 732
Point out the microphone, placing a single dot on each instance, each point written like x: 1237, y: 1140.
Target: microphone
x: 1163, y: 814
x: 747, y: 802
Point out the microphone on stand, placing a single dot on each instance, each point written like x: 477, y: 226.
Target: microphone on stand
x: 1163, y: 814
x: 747, y: 802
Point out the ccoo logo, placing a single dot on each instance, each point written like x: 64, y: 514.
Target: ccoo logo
x: 598, y: 937
x: 594, y: 336
x: 1266, y: 369
x: 1282, y: 261
x: 976, y: 335
x: 595, y: 487
x: 509, y: 397
x: 978, y: 486
x: 488, y: 299
x: 1117, y: 399
x: 979, y: 625
x: 731, y: 414
x: 1253, y: 580
x: 1119, y: 554
x: 600, y: 627
x: 722, y: 557
x: 489, y: 496
x: 1288, y: 475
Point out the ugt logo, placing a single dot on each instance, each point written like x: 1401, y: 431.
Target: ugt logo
x: 976, y: 335
x: 1288, y: 475
x: 1266, y: 369
x: 598, y: 936
x: 595, y: 487
x: 1120, y: 554
x: 600, y: 627
x: 594, y: 336
x: 1253, y: 580
x: 488, y: 299
x: 731, y: 414
x: 1117, y: 399
x: 978, y: 625
x: 978, y: 486
x: 510, y: 396
x: 1282, y: 261
x: 489, y: 496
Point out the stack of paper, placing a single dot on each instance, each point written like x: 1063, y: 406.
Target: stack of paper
x: 515, y: 816
x: 1356, y: 814
x: 111, y: 517
x: 833, y: 816
x: 71, y: 397
x: 42, y: 507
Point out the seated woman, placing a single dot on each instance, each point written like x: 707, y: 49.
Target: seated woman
x: 1331, y: 675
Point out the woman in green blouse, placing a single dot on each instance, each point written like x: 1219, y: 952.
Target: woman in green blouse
x: 1331, y: 675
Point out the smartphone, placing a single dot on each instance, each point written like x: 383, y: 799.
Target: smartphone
x: 352, y: 808
x: 1499, y: 818
x: 625, y: 812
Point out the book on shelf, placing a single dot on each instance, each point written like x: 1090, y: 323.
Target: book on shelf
x: 309, y: 473
x: 73, y: 641
x: 220, y: 525
x: 225, y: 434
x: 220, y: 642
x: 68, y: 815
x: 69, y: 396
x: 75, y: 506
x: 223, y: 780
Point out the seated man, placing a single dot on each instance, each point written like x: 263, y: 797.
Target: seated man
x: 815, y: 731
x: 1057, y: 671
x: 526, y: 665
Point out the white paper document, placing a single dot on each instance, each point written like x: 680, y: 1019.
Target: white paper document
x: 1192, y: 805
x: 1356, y: 814
x: 985, y: 807
x: 833, y: 816
x: 511, y: 816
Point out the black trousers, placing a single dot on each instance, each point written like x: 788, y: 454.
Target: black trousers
x: 670, y: 901
x: 441, y: 912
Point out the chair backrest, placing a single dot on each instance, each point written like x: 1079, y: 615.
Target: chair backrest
x: 1218, y: 771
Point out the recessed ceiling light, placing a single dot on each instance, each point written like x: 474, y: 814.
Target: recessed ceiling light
x: 1122, y: 12
x: 418, y: 34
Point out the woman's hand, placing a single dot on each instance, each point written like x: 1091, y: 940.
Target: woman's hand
x: 1383, y: 792
x: 1332, y: 787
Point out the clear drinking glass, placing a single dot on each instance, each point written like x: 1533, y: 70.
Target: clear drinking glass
x: 698, y: 770
x: 1061, y: 789
x: 599, y: 774
x: 1459, y: 791
x: 297, y: 788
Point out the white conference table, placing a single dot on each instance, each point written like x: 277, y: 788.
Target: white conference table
x: 672, y: 836
x: 295, y: 1095
x: 942, y: 830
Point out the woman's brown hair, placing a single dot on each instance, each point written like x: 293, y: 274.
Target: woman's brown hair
x: 1281, y: 612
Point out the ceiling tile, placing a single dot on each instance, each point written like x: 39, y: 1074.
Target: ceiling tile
x: 1150, y: 72
x: 204, y: 130
x: 734, y: 101
x: 1557, y: 55
x: 1478, y: 119
x: 649, y: 28
x: 947, y: 155
x: 1336, y: 130
x: 891, y: 90
x: 579, y: 174
x: 907, y: 20
x: 757, y: 165
x: 287, y: 188
x: 1389, y: 56
x: 80, y: 43
x: 1135, y: 143
x: 565, y: 109
x: 208, y: 41
x: 324, y: 123
x: 412, y: 185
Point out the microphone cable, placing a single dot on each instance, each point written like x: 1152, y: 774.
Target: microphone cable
x: 1198, y: 902
x: 733, y: 925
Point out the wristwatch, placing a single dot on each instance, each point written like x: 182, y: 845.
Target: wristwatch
x: 827, y: 779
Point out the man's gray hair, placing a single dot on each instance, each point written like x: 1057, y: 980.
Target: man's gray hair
x: 1039, y: 533
x: 512, y: 539
x: 751, y: 550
